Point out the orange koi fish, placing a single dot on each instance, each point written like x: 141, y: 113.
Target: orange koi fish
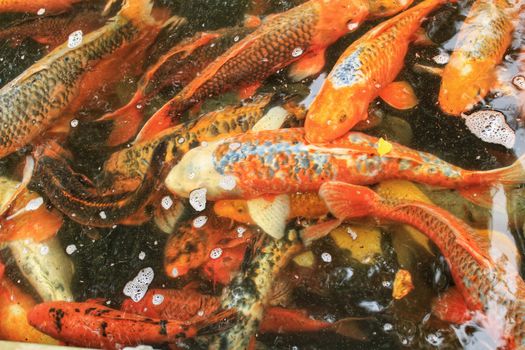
x: 215, y: 249
x: 93, y: 325
x: 281, y: 161
x: 482, y: 41
x: 58, y: 85
x: 305, y: 205
x: 53, y: 30
x: 50, y: 6
x: 366, y: 67
x: 496, y: 293
x: 174, y: 69
x: 299, y: 35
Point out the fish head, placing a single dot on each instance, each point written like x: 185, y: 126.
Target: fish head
x: 185, y: 251
x: 235, y: 209
x: 196, y: 170
x: 339, y: 17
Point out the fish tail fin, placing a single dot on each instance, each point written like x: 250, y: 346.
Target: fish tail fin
x: 512, y: 175
x: 348, y: 201
x: 217, y: 323
x: 160, y: 121
x: 126, y: 123
x: 350, y: 328
x: 138, y: 12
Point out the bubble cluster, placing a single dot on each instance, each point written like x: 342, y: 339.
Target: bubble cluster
x: 490, y: 126
x: 137, y: 288
x: 75, y: 39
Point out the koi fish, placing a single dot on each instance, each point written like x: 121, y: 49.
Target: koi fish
x: 482, y: 41
x: 280, y: 162
x: 50, y: 6
x: 249, y: 292
x: 300, y: 35
x: 14, y: 306
x: 305, y: 205
x: 79, y: 199
x: 193, y: 248
x: 361, y: 72
x: 190, y: 305
x: 53, y: 30
x: 59, y: 84
x: 129, y: 165
x: 174, y: 69
x: 496, y: 293
x: 93, y: 325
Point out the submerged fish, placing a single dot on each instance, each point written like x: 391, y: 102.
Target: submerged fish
x: 93, y: 325
x: 281, y: 162
x: 53, y: 30
x: 209, y: 247
x: 482, y: 41
x: 497, y: 293
x: 367, y: 66
x: 299, y: 35
x: 56, y: 86
x: 50, y: 6
x: 175, y: 69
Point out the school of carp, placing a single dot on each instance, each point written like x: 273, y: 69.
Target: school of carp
x: 250, y: 193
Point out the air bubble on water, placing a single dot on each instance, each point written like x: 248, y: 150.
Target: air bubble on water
x: 234, y: 145
x: 442, y: 58
x: 352, y: 26
x: 435, y: 339
x: 215, y: 253
x: 181, y: 140
x: 75, y: 39
x: 175, y: 272
x: 145, y: 276
x: 136, y: 291
x: 166, y: 202
x: 34, y: 204
x: 70, y: 249
x: 240, y: 231
x: 227, y: 182
x: 387, y: 327
x: 490, y: 126
x: 297, y: 52
x: 352, y: 233
x: 236, y: 38
x: 44, y: 249
x: 387, y: 284
x: 103, y: 215
x: 200, y: 221
x: 41, y: 11
x: 326, y: 257
x: 74, y: 123
x: 519, y: 82
x: 139, y: 106
x: 157, y: 299
x: 142, y: 255
x: 198, y: 199
x: 200, y: 313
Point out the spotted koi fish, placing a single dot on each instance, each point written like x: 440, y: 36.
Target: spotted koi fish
x: 191, y: 248
x: 363, y: 70
x: 482, y: 41
x: 175, y: 69
x: 93, y: 325
x: 299, y: 35
x: 496, y: 293
x: 59, y: 84
x: 282, y: 161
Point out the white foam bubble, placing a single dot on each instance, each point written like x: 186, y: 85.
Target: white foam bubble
x: 519, y: 81
x: 326, y: 257
x: 145, y: 275
x: 157, y: 299
x: 70, y: 249
x: 75, y: 39
x: 198, y: 199
x: 166, y: 202
x: 137, y: 288
x: 490, y: 126
x: 216, y: 253
x: 297, y: 52
x: 227, y: 182
x: 200, y: 221
x: 34, y: 204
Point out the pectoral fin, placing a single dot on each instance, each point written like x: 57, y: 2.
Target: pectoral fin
x: 272, y: 120
x: 270, y: 214
x: 309, y: 65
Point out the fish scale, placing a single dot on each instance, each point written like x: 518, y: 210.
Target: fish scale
x: 37, y: 98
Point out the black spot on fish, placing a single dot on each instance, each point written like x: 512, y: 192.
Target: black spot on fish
x: 89, y: 310
x: 103, y: 327
x: 59, y: 315
x: 163, y: 330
